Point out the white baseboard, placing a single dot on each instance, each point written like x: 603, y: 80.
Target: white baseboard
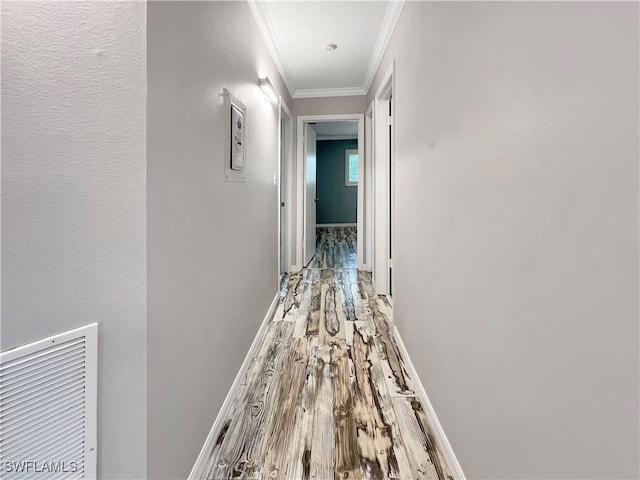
x: 441, y: 440
x: 324, y: 225
x: 196, y: 471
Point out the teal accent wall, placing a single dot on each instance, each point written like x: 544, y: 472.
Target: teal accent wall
x: 338, y: 203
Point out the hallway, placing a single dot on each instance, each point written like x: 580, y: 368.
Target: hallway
x: 159, y: 208
x: 327, y: 393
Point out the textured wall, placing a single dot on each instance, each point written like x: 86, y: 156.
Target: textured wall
x: 516, y: 243
x: 338, y: 203
x: 213, y: 264
x: 73, y: 198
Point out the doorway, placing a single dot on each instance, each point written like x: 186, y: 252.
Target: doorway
x: 310, y: 197
x: 285, y: 169
x: 368, y: 187
x: 389, y: 110
x: 314, y: 130
x: 383, y: 183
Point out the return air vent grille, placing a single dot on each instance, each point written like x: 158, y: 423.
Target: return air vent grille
x: 48, y: 408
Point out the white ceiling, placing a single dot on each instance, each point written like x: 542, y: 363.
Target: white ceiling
x: 336, y: 130
x: 295, y: 30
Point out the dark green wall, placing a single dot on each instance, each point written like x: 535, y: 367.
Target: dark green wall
x: 338, y: 203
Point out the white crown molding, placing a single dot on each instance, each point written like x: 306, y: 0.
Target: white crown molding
x: 329, y: 92
x: 386, y: 30
x: 261, y: 15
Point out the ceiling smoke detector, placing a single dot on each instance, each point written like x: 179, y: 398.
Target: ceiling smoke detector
x: 328, y: 47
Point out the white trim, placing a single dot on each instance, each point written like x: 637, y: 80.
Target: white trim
x: 300, y: 203
x: 361, y: 187
x: 288, y: 160
x: 441, y: 440
x: 368, y: 187
x: 196, y: 471
x: 386, y: 85
x: 381, y: 180
x: 386, y: 30
x: 279, y: 195
x: 286, y: 108
x: 263, y: 20
x: 91, y: 406
x: 329, y: 92
x: 261, y: 15
x: 321, y: 138
x: 326, y: 225
x: 301, y: 186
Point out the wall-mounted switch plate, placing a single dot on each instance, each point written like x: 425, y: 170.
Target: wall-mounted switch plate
x: 235, y: 159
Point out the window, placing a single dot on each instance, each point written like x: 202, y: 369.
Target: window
x: 351, y: 168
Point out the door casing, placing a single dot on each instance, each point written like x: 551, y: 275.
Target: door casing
x: 369, y: 187
x: 382, y: 178
x: 310, y: 193
x: 285, y: 190
x: 301, y: 206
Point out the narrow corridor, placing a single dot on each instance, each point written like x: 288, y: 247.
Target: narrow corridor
x: 327, y: 395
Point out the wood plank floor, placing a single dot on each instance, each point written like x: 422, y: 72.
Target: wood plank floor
x: 327, y: 394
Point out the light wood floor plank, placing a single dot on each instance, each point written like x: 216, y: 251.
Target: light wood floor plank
x: 283, y: 434
x: 322, y: 435
x: 426, y: 461
x: 238, y: 454
x: 346, y: 454
x: 377, y: 452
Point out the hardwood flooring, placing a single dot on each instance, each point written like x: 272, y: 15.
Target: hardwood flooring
x: 335, y: 248
x: 327, y: 394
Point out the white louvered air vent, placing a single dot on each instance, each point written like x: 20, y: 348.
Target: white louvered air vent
x: 48, y: 393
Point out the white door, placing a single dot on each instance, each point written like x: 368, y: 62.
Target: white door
x: 283, y: 196
x: 310, y: 196
x: 369, y: 188
x: 383, y: 187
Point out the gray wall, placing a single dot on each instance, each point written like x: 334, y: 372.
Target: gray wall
x: 338, y: 202
x: 212, y: 251
x: 516, y: 246
x: 329, y: 105
x: 73, y: 198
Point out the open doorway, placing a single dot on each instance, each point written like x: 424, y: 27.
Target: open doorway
x: 331, y: 185
x: 383, y: 183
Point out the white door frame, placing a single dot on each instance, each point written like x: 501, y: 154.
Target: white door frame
x: 369, y: 123
x: 382, y: 193
x: 285, y: 156
x: 301, y: 184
